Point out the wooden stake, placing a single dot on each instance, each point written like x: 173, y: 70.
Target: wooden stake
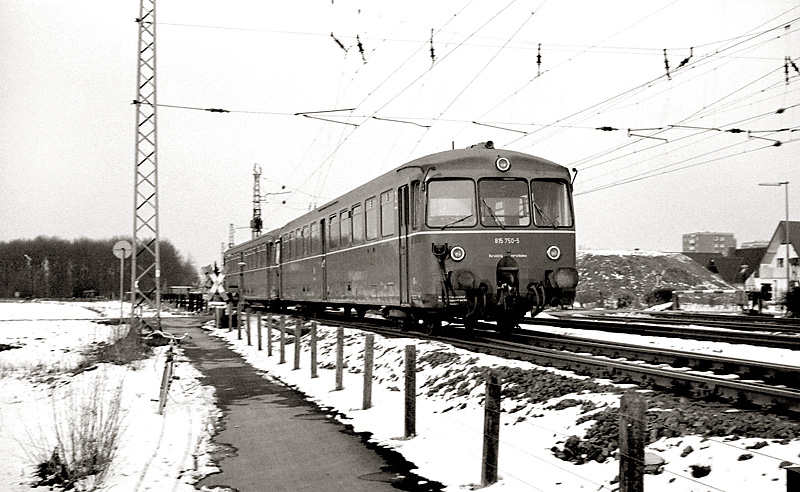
x: 247, y: 326
x: 298, y: 332
x: 239, y: 310
x: 631, y: 442
x: 269, y: 334
x: 411, y: 392
x: 339, y: 357
x: 313, y: 349
x: 258, y: 330
x: 491, y: 431
x: 283, y: 339
x: 369, y: 344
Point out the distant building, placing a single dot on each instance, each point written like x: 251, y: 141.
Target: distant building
x: 709, y: 242
x: 754, y: 245
x: 772, y: 268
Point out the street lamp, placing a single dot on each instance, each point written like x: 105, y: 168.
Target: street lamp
x: 786, y: 228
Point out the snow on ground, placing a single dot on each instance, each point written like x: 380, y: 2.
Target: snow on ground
x: 160, y: 453
x: 157, y: 452
x: 448, y: 445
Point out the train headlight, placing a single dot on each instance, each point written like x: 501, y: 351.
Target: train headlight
x: 457, y: 253
x: 553, y: 252
x: 502, y: 164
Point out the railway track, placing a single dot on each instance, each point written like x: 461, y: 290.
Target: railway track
x: 730, y: 333
x: 747, y: 322
x: 743, y: 383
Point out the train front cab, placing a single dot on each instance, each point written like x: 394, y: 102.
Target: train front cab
x: 493, y: 246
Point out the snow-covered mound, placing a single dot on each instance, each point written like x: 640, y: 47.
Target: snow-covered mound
x: 611, y: 275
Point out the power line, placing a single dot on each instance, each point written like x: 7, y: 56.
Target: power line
x: 485, y: 66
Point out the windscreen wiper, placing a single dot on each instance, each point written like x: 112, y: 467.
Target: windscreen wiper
x: 491, y: 212
x: 456, y: 221
x: 541, y: 212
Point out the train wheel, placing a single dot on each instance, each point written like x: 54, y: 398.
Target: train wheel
x: 408, y: 323
x: 505, y: 326
x: 361, y: 311
x: 432, y: 327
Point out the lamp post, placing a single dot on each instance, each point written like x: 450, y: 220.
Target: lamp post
x: 786, y: 228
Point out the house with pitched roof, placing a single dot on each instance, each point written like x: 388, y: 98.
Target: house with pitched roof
x: 780, y: 258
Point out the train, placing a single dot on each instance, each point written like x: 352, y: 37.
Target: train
x: 459, y: 236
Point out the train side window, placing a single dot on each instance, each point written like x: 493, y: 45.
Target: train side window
x: 278, y: 252
x: 372, y: 218
x: 315, y: 246
x: 346, y: 226
x: 306, y: 240
x: 333, y: 231
x: 285, y: 246
x: 358, y: 224
x: 387, y: 213
x: 415, y: 205
x: 298, y: 244
x: 290, y: 250
x: 269, y: 254
x: 551, y: 205
x: 451, y: 203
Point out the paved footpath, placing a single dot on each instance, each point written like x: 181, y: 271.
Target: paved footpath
x: 272, y: 439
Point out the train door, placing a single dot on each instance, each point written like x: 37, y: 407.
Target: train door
x: 279, y: 269
x: 271, y: 290
x: 323, y: 236
x: 403, y: 225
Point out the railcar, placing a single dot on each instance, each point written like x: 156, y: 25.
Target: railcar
x: 470, y: 234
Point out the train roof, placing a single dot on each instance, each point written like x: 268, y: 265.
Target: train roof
x: 485, y: 150
x: 470, y: 160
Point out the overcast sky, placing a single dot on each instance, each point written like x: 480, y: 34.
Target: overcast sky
x: 669, y: 167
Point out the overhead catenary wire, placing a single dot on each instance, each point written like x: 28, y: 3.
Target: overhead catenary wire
x: 641, y: 87
x: 478, y: 74
x: 695, y: 62
x: 731, y: 126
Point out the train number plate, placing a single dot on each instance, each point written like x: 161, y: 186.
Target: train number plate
x: 506, y: 240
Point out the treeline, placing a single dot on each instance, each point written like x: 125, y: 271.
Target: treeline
x: 49, y: 267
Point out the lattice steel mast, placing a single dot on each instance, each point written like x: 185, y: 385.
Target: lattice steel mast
x: 256, y: 222
x: 146, y: 264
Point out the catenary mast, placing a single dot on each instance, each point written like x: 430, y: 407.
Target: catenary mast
x: 146, y: 264
x: 256, y: 223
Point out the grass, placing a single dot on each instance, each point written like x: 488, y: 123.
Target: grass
x: 124, y: 348
x: 76, y: 452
